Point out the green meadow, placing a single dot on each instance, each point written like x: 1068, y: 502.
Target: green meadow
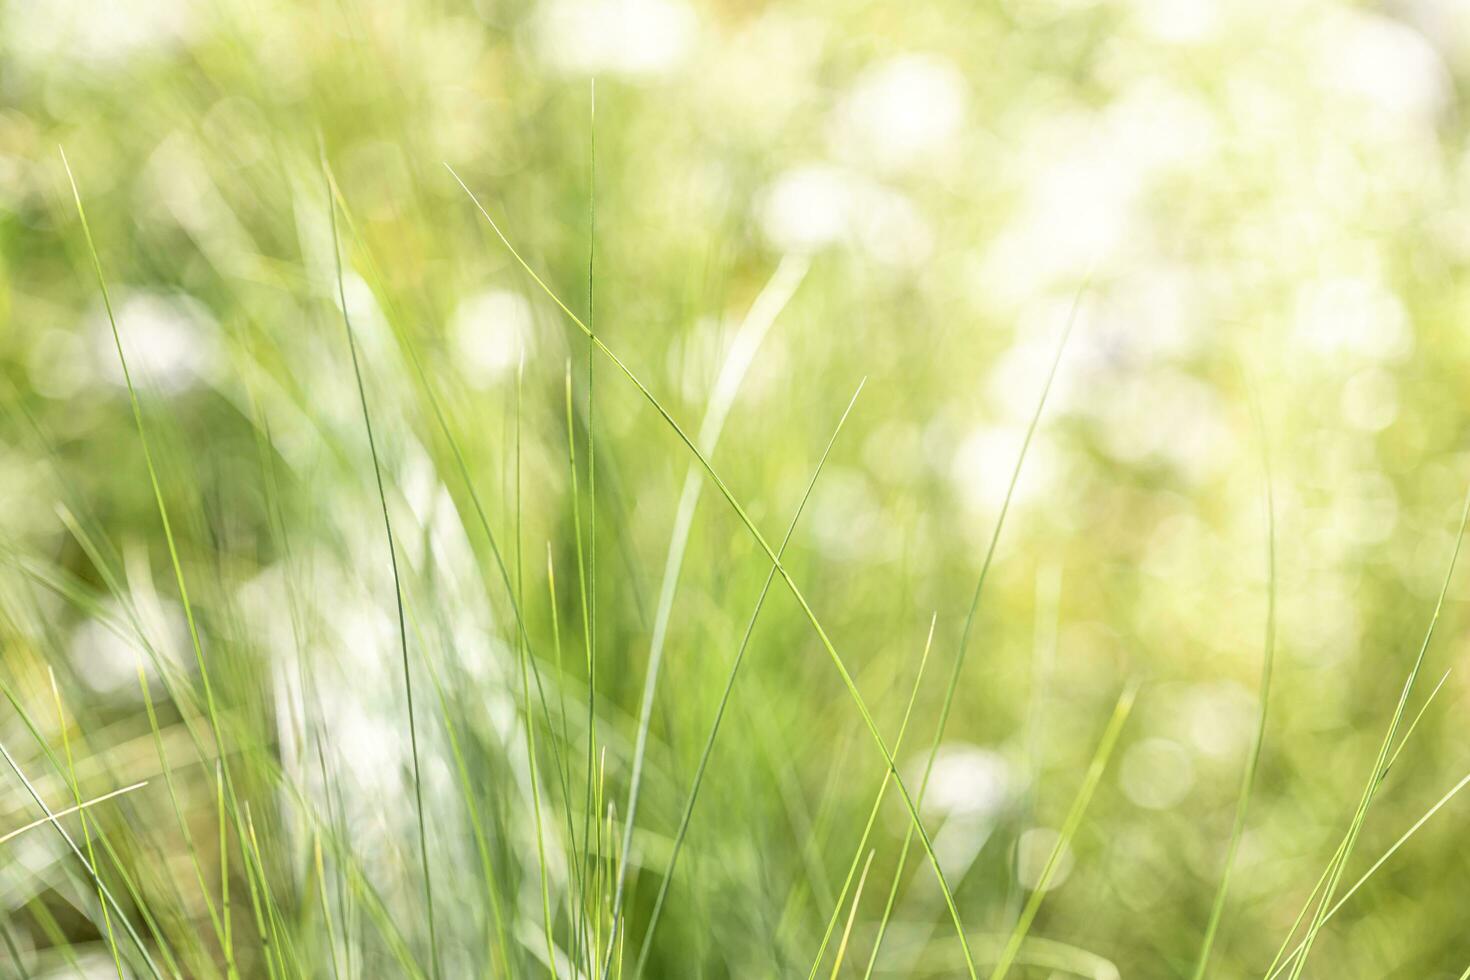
x: 619, y: 489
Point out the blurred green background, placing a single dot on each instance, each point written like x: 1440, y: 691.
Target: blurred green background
x: 1245, y: 196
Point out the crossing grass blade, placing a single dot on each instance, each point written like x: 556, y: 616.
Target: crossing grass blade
x: 862, y: 845
x: 67, y: 811
x: 709, y: 742
x: 76, y: 792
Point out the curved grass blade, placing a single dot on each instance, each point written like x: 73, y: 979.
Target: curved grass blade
x: 168, y: 534
x: 589, y: 593
x: 502, y: 563
x: 522, y: 656
x: 76, y: 792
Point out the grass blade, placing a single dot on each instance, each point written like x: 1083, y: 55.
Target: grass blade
x: 1278, y: 963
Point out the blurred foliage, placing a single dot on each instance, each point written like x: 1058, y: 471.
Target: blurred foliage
x: 1246, y: 196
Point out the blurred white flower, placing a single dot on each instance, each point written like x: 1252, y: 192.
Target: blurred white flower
x: 1443, y: 23
x: 418, y: 480
x: 848, y: 520
x: 968, y: 781
x: 265, y: 600
x: 968, y: 788
x: 1015, y: 382
x: 373, y: 748
x: 368, y: 635
x: 1084, y: 180
x: 1079, y: 205
x: 901, y: 110
x: 171, y: 341
x: 891, y: 230
x: 370, y: 327
x: 616, y: 37
x: 810, y: 207
x: 1158, y: 126
x: 491, y: 331
x: 1166, y: 416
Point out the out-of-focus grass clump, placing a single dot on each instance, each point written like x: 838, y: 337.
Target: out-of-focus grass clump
x: 1232, y: 204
